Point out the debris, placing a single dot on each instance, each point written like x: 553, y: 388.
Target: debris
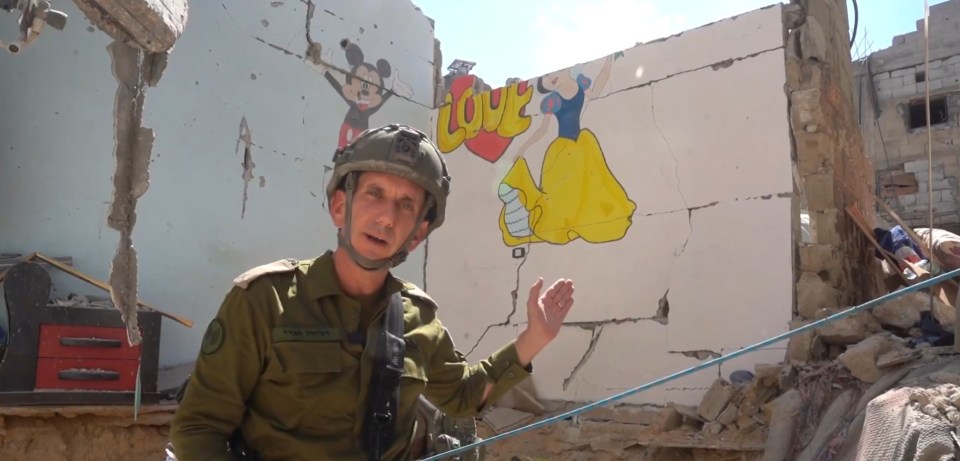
x: 848, y: 330
x: 149, y: 25
x: 861, y: 359
x: 716, y: 399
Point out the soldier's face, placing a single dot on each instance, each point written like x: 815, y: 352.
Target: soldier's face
x: 385, y: 211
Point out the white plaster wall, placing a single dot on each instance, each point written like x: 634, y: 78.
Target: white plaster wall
x: 56, y: 153
x: 695, y: 129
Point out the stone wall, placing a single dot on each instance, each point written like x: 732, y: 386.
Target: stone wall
x: 891, y: 111
x: 833, y: 173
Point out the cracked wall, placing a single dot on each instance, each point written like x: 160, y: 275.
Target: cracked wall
x: 668, y: 198
x: 254, y: 100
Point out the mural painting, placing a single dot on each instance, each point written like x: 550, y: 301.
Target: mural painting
x: 577, y: 196
x: 365, y: 89
x: 484, y: 123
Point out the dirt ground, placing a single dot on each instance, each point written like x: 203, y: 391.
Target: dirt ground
x: 33, y: 435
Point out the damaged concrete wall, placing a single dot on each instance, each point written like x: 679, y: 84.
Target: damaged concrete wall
x: 889, y: 88
x: 252, y: 104
x: 837, y: 267
x: 669, y: 202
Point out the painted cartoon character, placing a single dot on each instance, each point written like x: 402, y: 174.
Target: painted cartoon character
x: 578, y: 196
x: 364, y: 91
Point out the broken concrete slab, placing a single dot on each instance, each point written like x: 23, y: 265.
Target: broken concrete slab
x: 150, y: 25
x: 716, y: 399
x: 783, y: 413
x: 669, y: 419
x: 861, y: 359
x: 848, y: 330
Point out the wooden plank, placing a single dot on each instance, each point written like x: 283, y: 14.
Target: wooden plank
x: 7, y: 261
x: 149, y: 25
x: 99, y: 284
x: 916, y: 238
x: 898, y: 184
x: 858, y: 219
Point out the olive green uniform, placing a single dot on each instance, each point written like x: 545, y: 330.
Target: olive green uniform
x: 286, y: 374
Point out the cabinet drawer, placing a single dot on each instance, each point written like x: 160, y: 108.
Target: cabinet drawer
x: 80, y: 341
x: 87, y: 374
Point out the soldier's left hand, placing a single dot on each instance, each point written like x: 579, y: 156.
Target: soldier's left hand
x: 546, y: 312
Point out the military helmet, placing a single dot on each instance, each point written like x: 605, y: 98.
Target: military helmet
x: 398, y: 150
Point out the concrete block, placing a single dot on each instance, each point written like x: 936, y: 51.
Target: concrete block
x: 815, y: 152
x: 947, y: 195
x: 934, y: 65
x: 940, y: 184
x: 948, y: 219
x: 902, y: 72
x: 905, y: 90
x: 922, y: 197
x: 889, y: 83
x: 813, y: 40
x: 945, y: 207
x: 826, y: 226
x: 820, y: 258
x: 819, y: 188
x: 915, y: 166
x: 908, y: 199
x: 814, y: 295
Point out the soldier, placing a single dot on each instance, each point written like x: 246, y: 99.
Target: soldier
x: 301, y: 362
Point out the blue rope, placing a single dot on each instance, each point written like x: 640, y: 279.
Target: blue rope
x: 839, y: 315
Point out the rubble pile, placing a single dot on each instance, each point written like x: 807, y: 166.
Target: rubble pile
x: 811, y: 406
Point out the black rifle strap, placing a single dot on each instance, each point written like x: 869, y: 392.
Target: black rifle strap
x: 383, y: 393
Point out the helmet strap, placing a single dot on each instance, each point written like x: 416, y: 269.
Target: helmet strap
x: 343, y: 235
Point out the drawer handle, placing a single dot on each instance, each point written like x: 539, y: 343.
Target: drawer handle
x: 74, y: 374
x: 90, y: 342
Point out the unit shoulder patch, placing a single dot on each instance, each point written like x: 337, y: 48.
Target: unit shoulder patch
x: 213, y: 337
x: 284, y: 265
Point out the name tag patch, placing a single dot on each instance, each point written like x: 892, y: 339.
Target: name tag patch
x: 283, y: 334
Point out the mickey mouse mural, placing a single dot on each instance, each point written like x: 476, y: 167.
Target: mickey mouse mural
x: 365, y: 89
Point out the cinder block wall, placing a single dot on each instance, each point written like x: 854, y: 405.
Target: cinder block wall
x: 889, y: 89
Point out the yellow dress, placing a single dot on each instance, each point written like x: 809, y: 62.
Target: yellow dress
x: 578, y: 197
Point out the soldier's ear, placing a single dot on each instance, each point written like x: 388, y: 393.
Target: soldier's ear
x: 419, y: 236
x: 338, y: 208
